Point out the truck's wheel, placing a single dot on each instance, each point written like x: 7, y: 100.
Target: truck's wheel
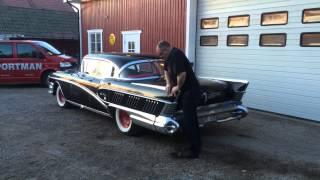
x: 45, y: 78
x: 125, y: 123
x: 61, y: 100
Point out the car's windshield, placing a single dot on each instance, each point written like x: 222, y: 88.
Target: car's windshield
x: 50, y: 50
x: 143, y: 70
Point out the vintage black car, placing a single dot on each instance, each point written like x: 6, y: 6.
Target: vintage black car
x: 131, y: 89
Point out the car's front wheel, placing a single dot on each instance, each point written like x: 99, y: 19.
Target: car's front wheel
x: 45, y: 78
x: 61, y: 100
x: 125, y: 124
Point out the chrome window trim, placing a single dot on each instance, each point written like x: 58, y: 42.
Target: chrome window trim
x: 116, y: 70
x: 135, y: 62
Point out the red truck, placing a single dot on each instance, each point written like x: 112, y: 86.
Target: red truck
x: 24, y: 61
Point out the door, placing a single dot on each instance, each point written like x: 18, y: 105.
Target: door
x: 284, y: 73
x: 6, y: 63
x: 29, y: 60
x: 131, y: 41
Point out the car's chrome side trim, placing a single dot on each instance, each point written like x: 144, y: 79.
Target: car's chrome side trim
x: 89, y: 108
x: 225, y: 79
x: 140, y: 79
x: 85, y: 89
x: 150, y: 85
x: 162, y: 124
x: 146, y: 115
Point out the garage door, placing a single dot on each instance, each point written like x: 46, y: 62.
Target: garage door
x: 274, y: 44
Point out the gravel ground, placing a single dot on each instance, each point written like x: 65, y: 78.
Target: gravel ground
x: 39, y: 140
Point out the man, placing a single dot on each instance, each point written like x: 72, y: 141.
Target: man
x: 182, y: 82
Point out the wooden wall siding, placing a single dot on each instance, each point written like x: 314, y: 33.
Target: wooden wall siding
x: 158, y: 19
x: 282, y: 79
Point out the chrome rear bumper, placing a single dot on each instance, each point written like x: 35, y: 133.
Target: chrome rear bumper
x: 218, y: 113
x: 214, y: 113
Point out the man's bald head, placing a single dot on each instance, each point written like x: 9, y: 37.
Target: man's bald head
x: 163, y: 49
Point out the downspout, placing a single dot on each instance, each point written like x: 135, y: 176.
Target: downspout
x: 79, y: 29
x: 191, y: 31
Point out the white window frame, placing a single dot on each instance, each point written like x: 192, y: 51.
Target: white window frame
x: 134, y: 32
x: 95, y: 31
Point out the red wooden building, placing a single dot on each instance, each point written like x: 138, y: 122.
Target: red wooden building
x: 136, y: 24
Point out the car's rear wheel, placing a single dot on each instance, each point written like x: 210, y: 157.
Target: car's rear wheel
x: 125, y: 124
x: 61, y: 100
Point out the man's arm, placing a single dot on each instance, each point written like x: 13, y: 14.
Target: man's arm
x: 181, y: 78
x: 168, y: 82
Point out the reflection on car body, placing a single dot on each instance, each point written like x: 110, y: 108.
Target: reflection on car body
x: 131, y: 88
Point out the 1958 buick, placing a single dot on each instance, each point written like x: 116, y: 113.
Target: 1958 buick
x: 131, y: 89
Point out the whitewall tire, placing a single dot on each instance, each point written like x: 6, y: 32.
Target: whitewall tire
x: 61, y: 100
x: 125, y: 123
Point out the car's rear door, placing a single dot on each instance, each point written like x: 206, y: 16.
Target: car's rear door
x: 7, y: 73
x: 30, y: 61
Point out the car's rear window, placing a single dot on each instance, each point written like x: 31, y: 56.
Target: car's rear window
x: 143, y: 70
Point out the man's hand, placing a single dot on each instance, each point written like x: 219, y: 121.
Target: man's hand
x: 168, y: 89
x: 175, y: 90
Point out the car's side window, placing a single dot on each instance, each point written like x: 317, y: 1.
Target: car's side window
x: 26, y: 51
x: 6, y: 51
x: 99, y: 69
x: 141, y: 70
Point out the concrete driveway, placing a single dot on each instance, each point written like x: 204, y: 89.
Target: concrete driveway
x: 39, y: 140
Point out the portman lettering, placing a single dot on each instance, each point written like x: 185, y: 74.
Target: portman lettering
x: 20, y: 66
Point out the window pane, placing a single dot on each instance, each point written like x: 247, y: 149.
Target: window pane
x: 98, y: 50
x: 209, y: 23
x: 26, y: 51
x: 98, y: 37
x: 6, y: 51
x: 92, y: 47
x: 310, y: 39
x: 133, y: 46
x: 311, y: 16
x: 92, y: 37
x: 237, y: 40
x: 239, y: 21
x: 274, y: 18
x: 208, y: 40
x: 273, y: 40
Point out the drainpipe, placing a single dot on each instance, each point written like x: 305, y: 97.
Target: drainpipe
x: 79, y: 29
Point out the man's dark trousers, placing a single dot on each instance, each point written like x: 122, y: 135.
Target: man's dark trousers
x: 189, y: 100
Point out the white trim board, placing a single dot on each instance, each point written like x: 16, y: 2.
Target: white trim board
x: 95, y: 31
x: 131, y: 32
x: 191, y: 30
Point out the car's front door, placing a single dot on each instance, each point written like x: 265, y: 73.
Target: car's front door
x: 7, y: 74
x: 30, y: 61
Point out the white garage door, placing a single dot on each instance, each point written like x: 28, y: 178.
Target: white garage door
x: 264, y: 44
